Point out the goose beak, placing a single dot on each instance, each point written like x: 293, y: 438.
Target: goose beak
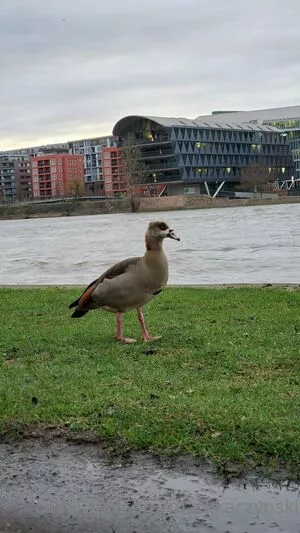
x: 173, y: 235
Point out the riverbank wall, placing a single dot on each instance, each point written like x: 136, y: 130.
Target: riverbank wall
x: 83, y: 207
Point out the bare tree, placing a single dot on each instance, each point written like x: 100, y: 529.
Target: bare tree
x: 94, y: 188
x: 132, y: 169
x: 256, y: 178
x: 76, y: 188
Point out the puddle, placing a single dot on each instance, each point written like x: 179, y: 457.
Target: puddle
x: 59, y: 487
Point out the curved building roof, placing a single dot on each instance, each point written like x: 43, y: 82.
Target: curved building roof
x: 123, y: 125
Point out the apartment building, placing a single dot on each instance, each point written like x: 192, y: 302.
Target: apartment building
x: 15, y: 177
x: 91, y: 150
x: 55, y: 175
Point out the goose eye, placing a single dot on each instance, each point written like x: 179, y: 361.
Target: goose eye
x: 163, y: 226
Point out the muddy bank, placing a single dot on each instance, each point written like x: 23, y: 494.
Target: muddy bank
x: 58, y: 486
x: 96, y: 207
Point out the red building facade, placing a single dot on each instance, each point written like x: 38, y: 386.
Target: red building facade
x: 55, y: 175
x: 112, y: 171
x: 115, y: 183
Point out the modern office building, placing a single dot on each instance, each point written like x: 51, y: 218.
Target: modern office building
x: 287, y: 119
x: 192, y: 156
x: 15, y: 177
x: 180, y: 156
x: 55, y: 175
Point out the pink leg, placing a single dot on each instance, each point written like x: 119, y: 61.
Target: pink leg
x: 145, y: 334
x: 119, y: 331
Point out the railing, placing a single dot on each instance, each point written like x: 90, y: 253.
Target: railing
x: 157, y: 153
x: 161, y: 166
x: 163, y: 179
x: 157, y: 140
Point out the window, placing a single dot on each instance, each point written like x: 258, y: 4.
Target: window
x: 256, y: 147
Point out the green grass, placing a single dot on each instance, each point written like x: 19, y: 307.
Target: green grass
x: 223, y: 383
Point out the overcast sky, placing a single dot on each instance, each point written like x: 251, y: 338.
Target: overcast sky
x: 70, y: 69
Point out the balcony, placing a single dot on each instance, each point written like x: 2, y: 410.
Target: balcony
x: 157, y: 140
x: 173, y: 177
x: 157, y: 153
x: 171, y: 165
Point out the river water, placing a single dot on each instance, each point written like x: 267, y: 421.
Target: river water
x: 258, y: 244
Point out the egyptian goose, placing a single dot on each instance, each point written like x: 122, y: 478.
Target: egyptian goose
x: 131, y: 283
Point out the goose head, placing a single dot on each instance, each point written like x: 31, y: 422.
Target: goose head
x: 157, y: 232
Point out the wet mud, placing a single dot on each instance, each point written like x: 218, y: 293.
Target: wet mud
x: 58, y: 486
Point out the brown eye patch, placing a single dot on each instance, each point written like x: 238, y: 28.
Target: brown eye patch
x: 163, y: 226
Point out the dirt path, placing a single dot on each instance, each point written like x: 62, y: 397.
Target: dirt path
x: 63, y: 487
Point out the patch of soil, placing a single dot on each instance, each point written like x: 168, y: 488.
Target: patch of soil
x: 51, y: 485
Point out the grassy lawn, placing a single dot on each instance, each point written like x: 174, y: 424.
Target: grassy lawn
x: 223, y: 383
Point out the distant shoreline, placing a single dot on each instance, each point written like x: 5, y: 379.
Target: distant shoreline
x: 83, y: 207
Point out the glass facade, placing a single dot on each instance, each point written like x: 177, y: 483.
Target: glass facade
x: 291, y: 128
x: 159, y: 157
x: 182, y: 150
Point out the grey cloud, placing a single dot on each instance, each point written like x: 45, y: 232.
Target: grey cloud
x: 70, y: 67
